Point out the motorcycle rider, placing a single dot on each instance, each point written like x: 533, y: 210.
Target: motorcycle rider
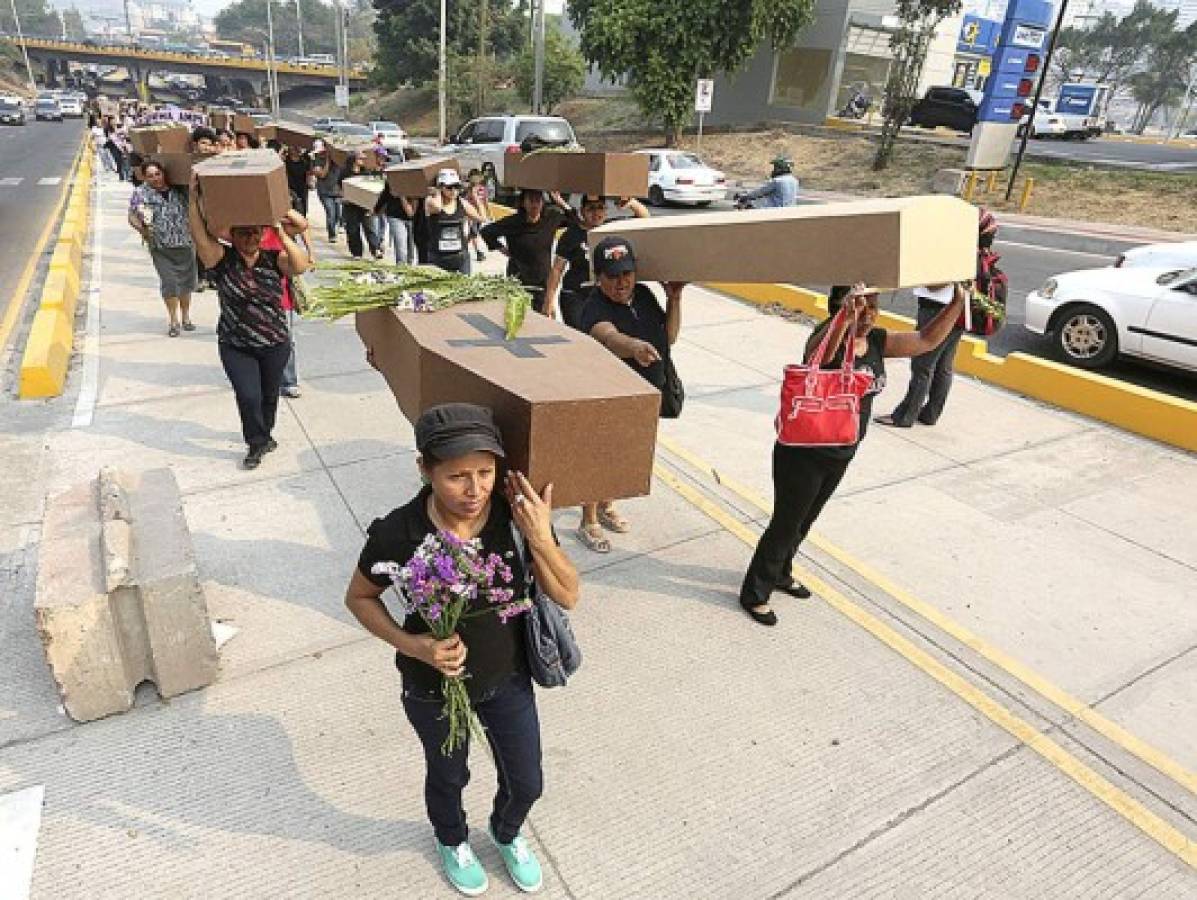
x: 780, y: 190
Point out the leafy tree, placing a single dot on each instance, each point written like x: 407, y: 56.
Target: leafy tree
x: 909, y: 43
x: 74, y: 24
x: 38, y: 19
x: 1164, y: 76
x: 1112, y: 49
x: 664, y: 46
x: 245, y: 20
x: 408, y: 33
x: 564, y: 70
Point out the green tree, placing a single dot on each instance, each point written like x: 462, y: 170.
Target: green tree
x: 909, y: 43
x: 245, y: 20
x: 408, y: 33
x: 1164, y: 76
x: 664, y: 46
x: 38, y: 19
x: 564, y: 70
x: 74, y: 24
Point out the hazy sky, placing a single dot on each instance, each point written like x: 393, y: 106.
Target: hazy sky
x: 212, y: 7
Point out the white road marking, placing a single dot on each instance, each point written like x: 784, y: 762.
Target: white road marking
x: 48, y: 182
x: 10, y: 182
x: 20, y: 822
x: 1057, y: 250
x: 89, y: 388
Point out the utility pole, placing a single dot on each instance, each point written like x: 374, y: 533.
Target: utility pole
x: 443, y: 78
x: 538, y: 59
x: 1026, y: 134
x: 271, y: 72
x: 299, y: 24
x: 128, y: 21
x: 480, y: 68
x: 16, y: 21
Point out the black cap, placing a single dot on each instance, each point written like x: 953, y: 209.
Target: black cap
x: 613, y: 256
x: 455, y: 429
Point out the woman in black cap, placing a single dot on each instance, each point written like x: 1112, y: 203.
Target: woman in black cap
x: 461, y: 455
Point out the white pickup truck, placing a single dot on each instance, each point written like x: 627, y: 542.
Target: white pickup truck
x: 484, y: 144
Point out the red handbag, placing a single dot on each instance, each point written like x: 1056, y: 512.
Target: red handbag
x: 821, y: 407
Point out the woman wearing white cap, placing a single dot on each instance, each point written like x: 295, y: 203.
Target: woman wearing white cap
x: 447, y: 213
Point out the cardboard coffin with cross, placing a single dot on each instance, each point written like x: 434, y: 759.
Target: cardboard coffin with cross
x: 572, y: 414
x: 901, y: 242
x: 243, y: 187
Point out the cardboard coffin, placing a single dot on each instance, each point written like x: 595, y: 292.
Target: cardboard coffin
x: 295, y: 135
x: 562, y: 400
x: 896, y: 243
x: 177, y: 166
x: 221, y: 119
x: 267, y: 133
x: 605, y: 174
x: 244, y: 124
x: 243, y: 187
x: 147, y: 139
x: 413, y: 179
x: 340, y: 153
x: 362, y: 190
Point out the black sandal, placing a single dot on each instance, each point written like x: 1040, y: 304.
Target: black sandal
x: 766, y: 617
x: 795, y: 589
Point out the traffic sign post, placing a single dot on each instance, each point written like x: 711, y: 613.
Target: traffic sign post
x: 341, y: 95
x: 704, y: 96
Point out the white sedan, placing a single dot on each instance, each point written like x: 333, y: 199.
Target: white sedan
x: 394, y: 139
x: 678, y: 177
x: 1178, y: 255
x: 1096, y: 314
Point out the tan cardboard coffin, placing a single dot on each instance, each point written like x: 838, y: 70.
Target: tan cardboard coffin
x: 243, y: 187
x: 605, y: 174
x: 294, y: 135
x: 267, y: 133
x: 902, y: 242
x: 362, y: 190
x: 221, y: 119
x: 562, y: 401
x: 340, y: 152
x: 147, y: 139
x: 413, y: 179
x: 243, y: 123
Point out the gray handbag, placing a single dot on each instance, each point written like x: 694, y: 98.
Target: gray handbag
x: 553, y: 651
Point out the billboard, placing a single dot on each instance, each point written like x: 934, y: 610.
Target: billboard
x: 978, y: 35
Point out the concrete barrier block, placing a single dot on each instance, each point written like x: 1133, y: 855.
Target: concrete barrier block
x: 948, y: 181
x: 61, y: 261
x: 58, y: 293
x: 70, y: 246
x: 47, y: 354
x: 119, y: 599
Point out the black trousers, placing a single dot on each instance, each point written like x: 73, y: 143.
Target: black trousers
x: 512, y: 726
x: 257, y: 376
x: 803, y: 481
x: 357, y: 221
x: 930, y: 374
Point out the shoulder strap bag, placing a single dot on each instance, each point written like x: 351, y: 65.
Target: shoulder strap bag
x: 553, y: 652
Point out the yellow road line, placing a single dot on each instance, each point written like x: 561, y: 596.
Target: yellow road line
x: 17, y: 302
x: 1132, y: 810
x: 1075, y: 707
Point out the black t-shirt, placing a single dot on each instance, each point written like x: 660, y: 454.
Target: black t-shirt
x: 643, y: 318
x: 496, y: 650
x: 529, y: 245
x: 573, y: 248
x: 873, y: 360
x: 297, y: 173
x: 389, y: 205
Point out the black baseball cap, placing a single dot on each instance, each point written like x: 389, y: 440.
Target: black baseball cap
x: 455, y: 429
x: 614, y: 256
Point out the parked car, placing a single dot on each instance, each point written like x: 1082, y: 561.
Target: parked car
x: 11, y: 113
x: 71, y: 106
x: 483, y: 144
x: 393, y: 137
x: 1094, y: 315
x: 47, y: 109
x: 351, y: 131
x: 325, y: 123
x: 1178, y: 255
x: 949, y: 107
x: 678, y: 177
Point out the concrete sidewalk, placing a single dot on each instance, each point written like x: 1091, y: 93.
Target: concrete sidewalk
x: 696, y: 755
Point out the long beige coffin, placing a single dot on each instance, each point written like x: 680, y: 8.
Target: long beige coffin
x: 902, y: 242
x: 362, y: 191
x: 572, y: 414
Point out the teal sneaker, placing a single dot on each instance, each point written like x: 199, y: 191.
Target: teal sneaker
x: 522, y: 864
x: 463, y: 869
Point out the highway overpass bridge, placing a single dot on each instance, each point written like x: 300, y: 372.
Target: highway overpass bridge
x: 53, y: 55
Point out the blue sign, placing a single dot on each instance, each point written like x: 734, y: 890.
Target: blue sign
x: 1018, y: 62
x: 1077, y: 99
x: 978, y: 36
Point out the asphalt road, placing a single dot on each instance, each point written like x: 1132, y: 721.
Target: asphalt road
x: 34, y: 160
x: 1028, y: 267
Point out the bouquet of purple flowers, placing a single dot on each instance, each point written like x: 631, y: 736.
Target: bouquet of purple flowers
x: 439, y: 583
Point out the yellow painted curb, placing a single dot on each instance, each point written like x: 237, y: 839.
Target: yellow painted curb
x: 62, y: 261
x: 47, y: 352
x: 69, y: 246
x: 1128, y: 406
x: 58, y: 293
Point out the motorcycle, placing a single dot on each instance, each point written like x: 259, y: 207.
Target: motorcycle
x: 856, y: 107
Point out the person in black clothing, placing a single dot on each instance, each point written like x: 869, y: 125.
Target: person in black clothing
x: 358, y: 221
x: 460, y: 460
x: 299, y: 170
x: 527, y: 241
x: 400, y: 218
x: 804, y: 478
x: 447, y: 213
x: 626, y: 318
x: 252, y: 334
x: 571, y: 278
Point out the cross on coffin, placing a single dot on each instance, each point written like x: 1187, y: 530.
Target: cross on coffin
x: 552, y: 389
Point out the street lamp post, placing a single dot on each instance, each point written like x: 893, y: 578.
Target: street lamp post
x: 16, y: 21
x: 443, y: 79
x: 299, y: 25
x: 271, y: 72
x: 538, y: 60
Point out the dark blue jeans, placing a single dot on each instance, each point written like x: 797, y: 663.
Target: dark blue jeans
x: 512, y: 726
